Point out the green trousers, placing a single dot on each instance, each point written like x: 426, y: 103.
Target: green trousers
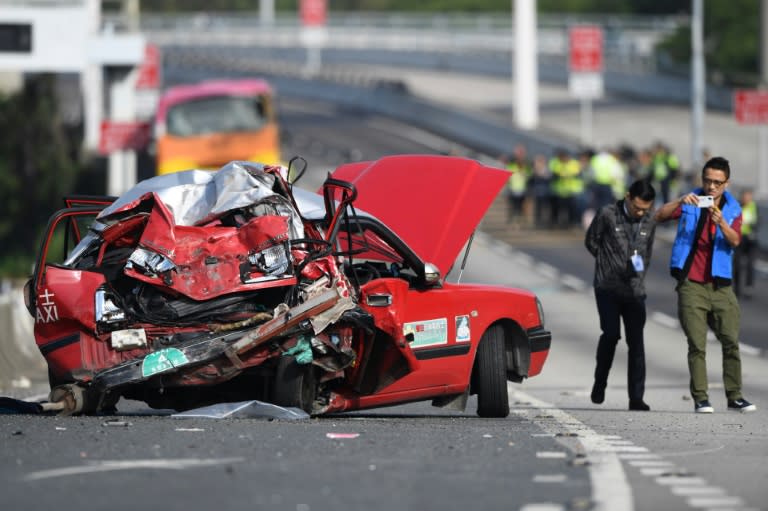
x: 700, y: 307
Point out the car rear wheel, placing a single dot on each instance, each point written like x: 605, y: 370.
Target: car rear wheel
x: 492, y: 398
x: 295, y: 384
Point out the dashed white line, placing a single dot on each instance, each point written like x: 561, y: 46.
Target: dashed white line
x: 550, y: 478
x: 675, y: 480
x: 711, y: 502
x: 622, y: 448
x: 551, y: 454
x: 665, y: 320
x: 573, y: 282
x: 547, y: 270
x: 690, y: 491
x: 654, y: 471
x: 542, y: 506
x: 651, y: 463
x: 610, y: 489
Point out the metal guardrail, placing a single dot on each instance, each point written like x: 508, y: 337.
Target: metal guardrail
x: 629, y: 41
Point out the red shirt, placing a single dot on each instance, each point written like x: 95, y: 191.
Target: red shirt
x: 701, y: 267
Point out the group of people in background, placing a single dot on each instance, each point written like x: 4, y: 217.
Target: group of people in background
x: 613, y: 194
x: 565, y: 189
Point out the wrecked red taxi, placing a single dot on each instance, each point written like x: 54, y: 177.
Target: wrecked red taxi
x: 197, y: 287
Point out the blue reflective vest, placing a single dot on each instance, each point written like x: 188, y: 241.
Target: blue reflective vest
x: 685, y: 240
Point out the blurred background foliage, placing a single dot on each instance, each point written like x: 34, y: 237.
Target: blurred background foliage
x: 39, y: 156
x: 38, y: 165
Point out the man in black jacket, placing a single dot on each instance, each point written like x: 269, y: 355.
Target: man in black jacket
x: 620, y: 238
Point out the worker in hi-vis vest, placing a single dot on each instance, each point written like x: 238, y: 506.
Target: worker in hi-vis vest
x: 746, y: 252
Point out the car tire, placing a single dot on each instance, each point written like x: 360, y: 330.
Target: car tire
x: 295, y: 384
x: 492, y: 397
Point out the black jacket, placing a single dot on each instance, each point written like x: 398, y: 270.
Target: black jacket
x: 612, y: 240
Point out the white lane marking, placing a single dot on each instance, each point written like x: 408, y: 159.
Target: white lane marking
x: 618, y: 442
x: 748, y: 349
x: 654, y: 471
x: 547, y: 270
x: 573, y: 282
x: 543, y: 506
x: 547, y: 435
x: 651, y: 463
x: 550, y: 478
x: 690, y: 491
x: 610, y: 489
x: 710, y: 502
x: 112, y: 465
x: 551, y: 454
x: 675, y: 480
x: 665, y: 320
x: 622, y: 448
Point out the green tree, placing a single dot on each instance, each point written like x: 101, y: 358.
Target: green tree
x: 37, y: 167
x: 731, y: 42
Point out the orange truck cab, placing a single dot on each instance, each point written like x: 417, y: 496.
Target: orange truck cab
x: 206, y: 125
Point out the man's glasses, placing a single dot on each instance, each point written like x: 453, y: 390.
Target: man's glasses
x: 714, y: 182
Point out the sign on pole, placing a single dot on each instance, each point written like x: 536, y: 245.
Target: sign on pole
x: 149, y: 68
x: 585, y: 80
x: 313, y: 14
x: 585, y: 49
x: 751, y: 107
x: 117, y: 136
x: 148, y: 82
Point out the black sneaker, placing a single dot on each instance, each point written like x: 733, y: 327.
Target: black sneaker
x: 638, y: 405
x: 703, y: 407
x: 741, y: 405
x: 598, y: 394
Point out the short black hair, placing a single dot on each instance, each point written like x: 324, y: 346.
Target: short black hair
x: 717, y: 163
x: 642, y: 189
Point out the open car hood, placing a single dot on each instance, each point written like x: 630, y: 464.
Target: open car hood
x: 433, y: 203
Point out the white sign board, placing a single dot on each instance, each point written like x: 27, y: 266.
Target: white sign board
x: 586, y: 85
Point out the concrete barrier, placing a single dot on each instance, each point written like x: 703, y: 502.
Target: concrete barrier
x: 22, y: 367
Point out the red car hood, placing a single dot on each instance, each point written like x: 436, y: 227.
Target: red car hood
x: 433, y: 203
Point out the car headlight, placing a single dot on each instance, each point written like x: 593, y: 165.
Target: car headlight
x: 541, y: 310
x: 106, y: 310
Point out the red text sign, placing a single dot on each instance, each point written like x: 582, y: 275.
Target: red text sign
x: 149, y: 70
x: 116, y: 136
x: 313, y: 12
x: 586, y: 48
x: 750, y: 106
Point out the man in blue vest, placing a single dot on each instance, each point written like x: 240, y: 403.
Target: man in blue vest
x: 702, y: 263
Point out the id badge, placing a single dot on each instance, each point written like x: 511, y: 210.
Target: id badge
x: 637, y: 262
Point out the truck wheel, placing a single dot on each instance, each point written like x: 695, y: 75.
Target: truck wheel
x: 295, y: 384
x: 492, y: 398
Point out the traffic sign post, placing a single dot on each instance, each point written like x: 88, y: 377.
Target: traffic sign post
x: 751, y: 107
x: 585, y: 80
x: 313, y: 15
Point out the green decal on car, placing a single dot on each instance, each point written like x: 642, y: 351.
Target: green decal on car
x: 162, y: 360
x: 429, y: 332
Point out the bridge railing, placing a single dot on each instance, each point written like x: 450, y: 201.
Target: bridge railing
x: 629, y: 41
